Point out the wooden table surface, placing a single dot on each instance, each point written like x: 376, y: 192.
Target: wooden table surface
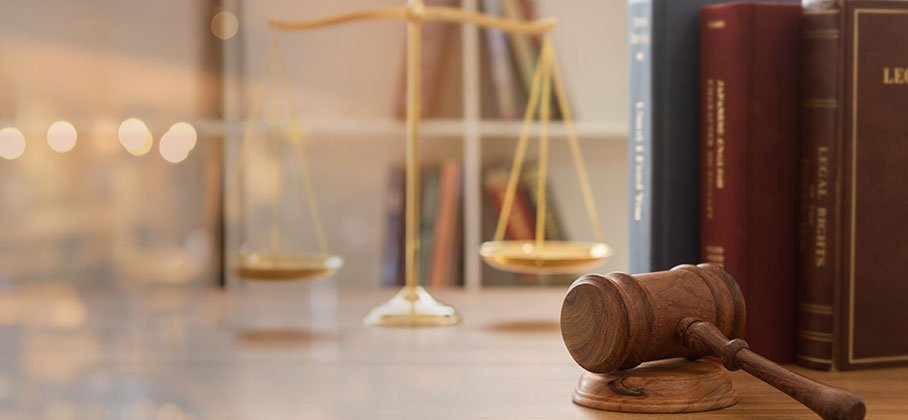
x: 301, y: 352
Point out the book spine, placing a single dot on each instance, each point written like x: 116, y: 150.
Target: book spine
x: 552, y: 221
x: 529, y: 14
x: 819, y: 114
x: 524, y: 50
x: 428, y: 208
x: 640, y: 15
x: 434, y: 45
x: 520, y: 225
x: 773, y: 189
x: 726, y: 57
x: 499, y: 57
x: 445, y: 225
x: 392, y: 259
x: 725, y: 62
x: 749, y: 71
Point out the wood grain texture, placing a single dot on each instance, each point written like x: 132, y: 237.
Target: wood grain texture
x: 289, y: 351
x: 665, y: 386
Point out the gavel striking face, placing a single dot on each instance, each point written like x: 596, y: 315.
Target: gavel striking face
x: 618, y: 321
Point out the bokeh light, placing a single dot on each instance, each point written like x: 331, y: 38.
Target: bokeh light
x: 186, y: 134
x: 61, y: 136
x: 133, y: 133
x: 177, y: 142
x: 12, y: 143
x: 135, y: 136
x: 144, y: 148
x: 224, y: 24
x: 171, y: 149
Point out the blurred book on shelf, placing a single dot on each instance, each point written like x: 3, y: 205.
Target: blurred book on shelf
x: 501, y: 65
x: 445, y: 267
x: 437, y: 59
x: 521, y: 222
x: 440, y: 231
x: 512, y: 59
x: 393, y: 251
x: 507, y: 66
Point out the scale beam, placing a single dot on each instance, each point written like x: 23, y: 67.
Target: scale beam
x: 442, y: 14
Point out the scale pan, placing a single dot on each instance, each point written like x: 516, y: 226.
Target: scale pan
x: 553, y: 257
x: 300, y: 267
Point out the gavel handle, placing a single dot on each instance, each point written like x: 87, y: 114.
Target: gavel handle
x: 829, y: 402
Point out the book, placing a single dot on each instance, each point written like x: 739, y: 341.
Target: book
x: 750, y: 149
x: 528, y: 183
x: 664, y: 143
x: 434, y: 50
x: 529, y: 13
x: 554, y: 228
x: 500, y: 65
x: 427, y: 210
x: 525, y: 51
x: 664, y: 133
x: 851, y: 310
x: 392, y: 257
x: 521, y: 225
x: 446, y: 223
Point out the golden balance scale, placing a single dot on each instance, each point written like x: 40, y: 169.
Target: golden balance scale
x: 413, y: 305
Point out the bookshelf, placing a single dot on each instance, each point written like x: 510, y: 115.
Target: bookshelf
x: 344, y: 109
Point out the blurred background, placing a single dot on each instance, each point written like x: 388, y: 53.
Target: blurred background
x: 102, y: 187
x: 124, y: 206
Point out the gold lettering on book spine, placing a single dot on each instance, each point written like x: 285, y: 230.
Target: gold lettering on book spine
x: 639, y: 40
x: 821, y: 213
x: 710, y: 147
x: 895, y: 75
x: 639, y: 159
x: 720, y: 134
x: 715, y: 24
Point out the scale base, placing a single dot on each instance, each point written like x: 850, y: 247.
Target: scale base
x: 665, y: 386
x: 412, y: 307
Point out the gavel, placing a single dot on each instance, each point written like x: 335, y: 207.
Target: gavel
x: 618, y: 321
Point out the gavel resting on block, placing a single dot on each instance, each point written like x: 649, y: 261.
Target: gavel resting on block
x: 613, y: 323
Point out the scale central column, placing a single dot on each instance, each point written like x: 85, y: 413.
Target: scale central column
x: 413, y: 305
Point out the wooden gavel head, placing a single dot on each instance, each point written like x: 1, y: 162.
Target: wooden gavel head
x: 618, y: 321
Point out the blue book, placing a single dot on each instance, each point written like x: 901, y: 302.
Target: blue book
x: 664, y: 143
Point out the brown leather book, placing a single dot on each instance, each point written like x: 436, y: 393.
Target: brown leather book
x: 749, y: 158
x: 441, y: 270
x: 854, y: 254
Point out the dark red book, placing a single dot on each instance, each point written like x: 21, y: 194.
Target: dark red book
x: 521, y: 226
x: 749, y: 161
x: 851, y: 310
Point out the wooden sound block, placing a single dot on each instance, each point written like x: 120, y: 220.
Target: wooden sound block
x: 664, y: 386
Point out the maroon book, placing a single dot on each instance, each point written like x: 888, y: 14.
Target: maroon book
x: 851, y: 310
x: 749, y: 161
